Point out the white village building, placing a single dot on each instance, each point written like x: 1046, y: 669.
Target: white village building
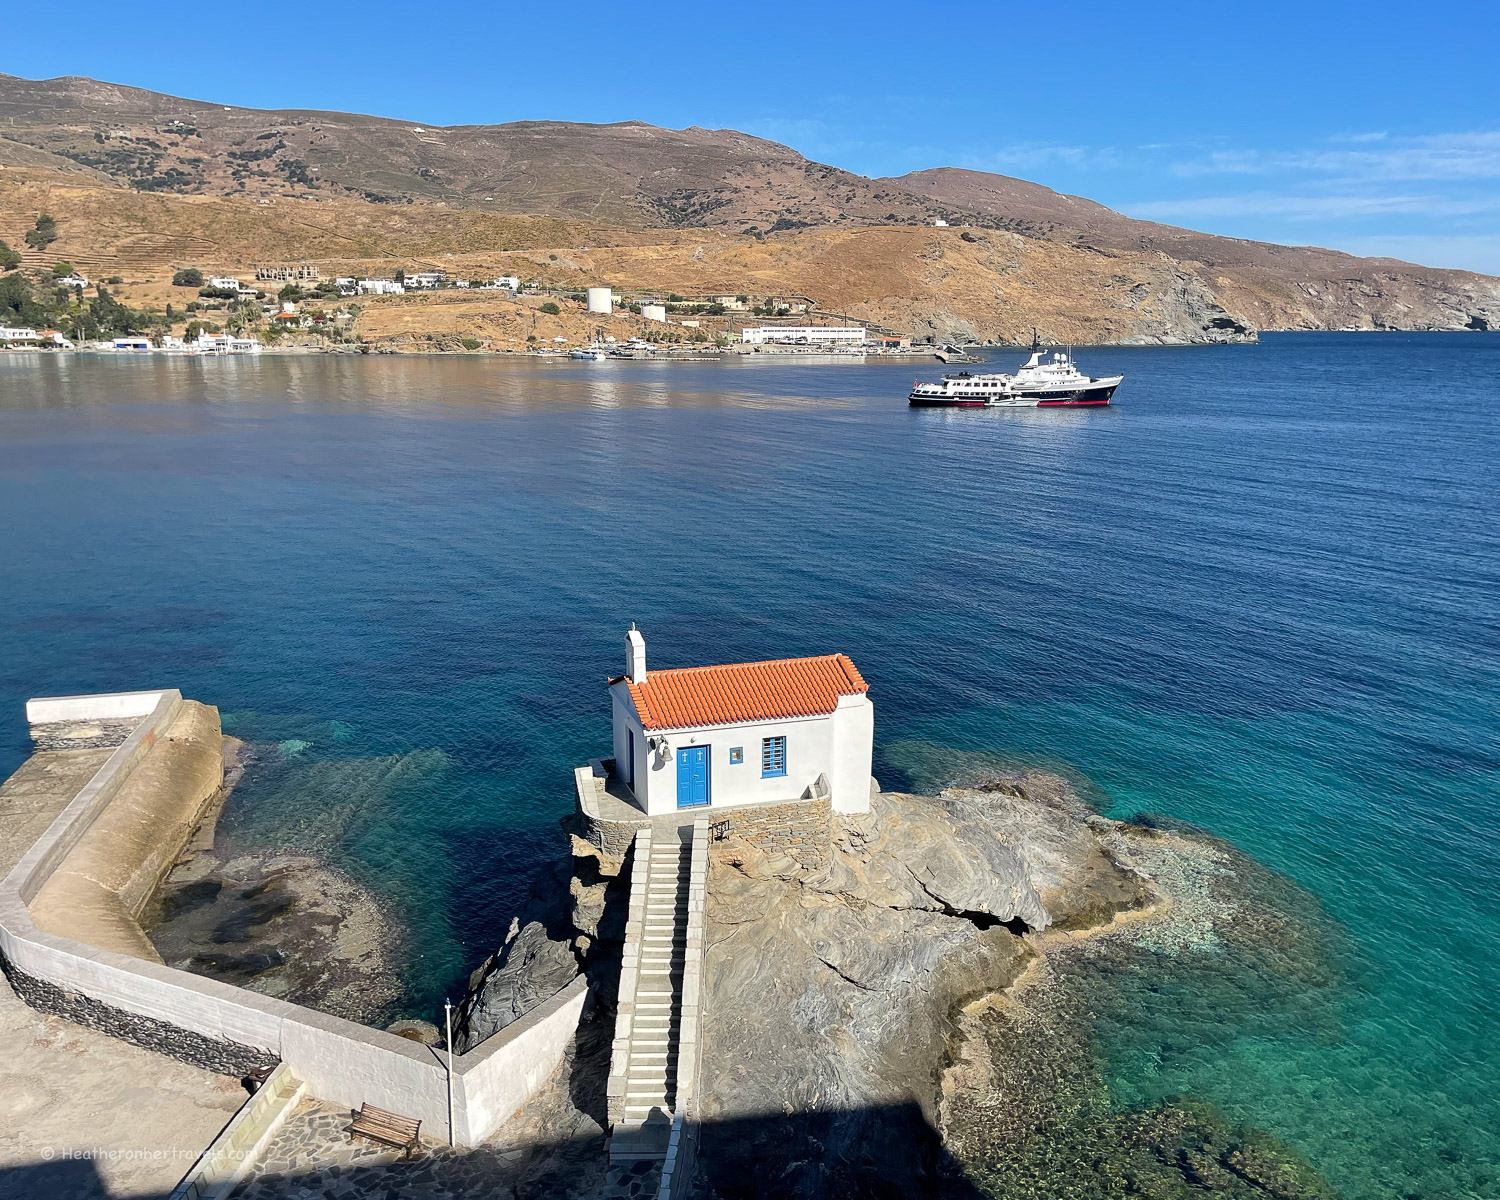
x: 747, y: 733
x: 804, y: 335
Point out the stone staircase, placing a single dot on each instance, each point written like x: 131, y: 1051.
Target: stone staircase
x: 649, y: 1030
x: 654, y: 1061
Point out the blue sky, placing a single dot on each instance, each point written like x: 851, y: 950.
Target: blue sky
x: 1370, y: 127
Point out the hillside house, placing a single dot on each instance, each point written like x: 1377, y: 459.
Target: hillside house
x: 745, y: 733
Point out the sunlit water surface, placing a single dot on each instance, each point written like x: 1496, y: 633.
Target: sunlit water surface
x: 1259, y: 595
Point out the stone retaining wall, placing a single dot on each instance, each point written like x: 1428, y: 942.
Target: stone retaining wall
x: 212, y: 1054
x: 802, y: 830
x: 83, y: 735
x: 611, y: 838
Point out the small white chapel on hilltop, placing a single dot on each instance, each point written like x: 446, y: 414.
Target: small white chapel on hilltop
x: 745, y: 733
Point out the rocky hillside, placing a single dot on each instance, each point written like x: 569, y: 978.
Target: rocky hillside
x: 626, y: 174
x: 980, y: 284
x: 1016, y: 254
x: 1275, y: 287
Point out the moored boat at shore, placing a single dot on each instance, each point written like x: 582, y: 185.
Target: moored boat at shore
x: 1054, y: 383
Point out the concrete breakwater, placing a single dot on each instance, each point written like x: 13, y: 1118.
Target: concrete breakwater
x: 147, y: 791
x: 98, y: 890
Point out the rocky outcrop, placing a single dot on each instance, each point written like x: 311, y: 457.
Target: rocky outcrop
x: 529, y: 969
x: 543, y: 952
x: 831, y: 994
x: 873, y: 1023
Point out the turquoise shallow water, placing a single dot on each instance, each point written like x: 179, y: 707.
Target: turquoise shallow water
x: 1262, y: 594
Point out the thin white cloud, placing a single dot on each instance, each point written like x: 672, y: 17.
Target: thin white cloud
x: 1453, y: 156
x: 1035, y: 156
x: 1311, y: 208
x: 1479, y: 253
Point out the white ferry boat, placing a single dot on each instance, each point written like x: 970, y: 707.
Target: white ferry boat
x: 1036, y: 384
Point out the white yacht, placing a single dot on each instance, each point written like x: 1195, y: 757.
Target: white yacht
x: 1036, y: 384
x: 589, y: 353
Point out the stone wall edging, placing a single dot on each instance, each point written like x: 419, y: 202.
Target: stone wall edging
x: 800, y: 829
x: 611, y: 838
x: 230, y: 1156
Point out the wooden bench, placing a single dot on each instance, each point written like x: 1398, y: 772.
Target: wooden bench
x: 386, y: 1128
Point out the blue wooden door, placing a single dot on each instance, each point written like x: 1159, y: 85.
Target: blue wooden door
x: 692, y: 776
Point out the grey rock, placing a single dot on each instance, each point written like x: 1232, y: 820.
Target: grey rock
x: 831, y: 994
x: 529, y: 969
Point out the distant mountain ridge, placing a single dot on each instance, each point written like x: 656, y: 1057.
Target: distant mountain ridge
x: 641, y: 177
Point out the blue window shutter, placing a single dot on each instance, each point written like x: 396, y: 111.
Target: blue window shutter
x: 772, y: 757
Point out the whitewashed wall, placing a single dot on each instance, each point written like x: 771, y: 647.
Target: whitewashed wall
x: 838, y: 745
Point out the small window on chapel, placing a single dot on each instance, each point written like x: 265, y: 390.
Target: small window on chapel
x: 736, y: 754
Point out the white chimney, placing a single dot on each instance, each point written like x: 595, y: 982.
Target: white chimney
x: 635, y: 655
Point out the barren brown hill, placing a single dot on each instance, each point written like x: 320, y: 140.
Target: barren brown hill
x: 627, y: 173
x: 979, y: 284
x: 1276, y: 287
x: 155, y: 181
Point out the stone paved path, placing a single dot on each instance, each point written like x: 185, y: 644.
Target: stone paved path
x: 83, y: 1115
x: 636, y: 1180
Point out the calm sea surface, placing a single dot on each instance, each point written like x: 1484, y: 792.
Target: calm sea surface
x: 1261, y: 594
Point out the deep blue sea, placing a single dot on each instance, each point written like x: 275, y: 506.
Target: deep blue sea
x: 1260, y: 594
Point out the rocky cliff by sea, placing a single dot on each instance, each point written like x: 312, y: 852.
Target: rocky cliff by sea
x: 913, y: 1014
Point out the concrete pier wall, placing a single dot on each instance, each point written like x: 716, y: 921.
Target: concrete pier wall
x: 96, y: 893
x: 223, y: 1026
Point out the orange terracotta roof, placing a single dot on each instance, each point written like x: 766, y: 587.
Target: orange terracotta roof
x: 692, y: 697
